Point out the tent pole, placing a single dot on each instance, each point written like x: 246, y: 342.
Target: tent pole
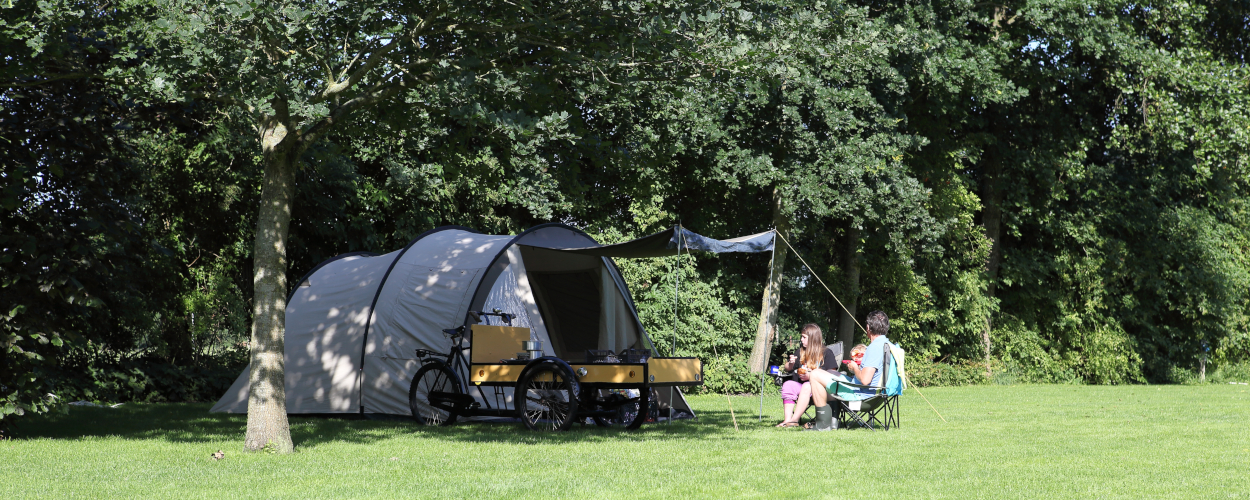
x: 681, y: 242
x: 774, y: 332
x: 676, y: 287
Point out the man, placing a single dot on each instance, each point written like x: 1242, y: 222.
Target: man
x: 870, y: 374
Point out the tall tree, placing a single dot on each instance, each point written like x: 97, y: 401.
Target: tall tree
x: 771, y: 307
x: 302, y: 70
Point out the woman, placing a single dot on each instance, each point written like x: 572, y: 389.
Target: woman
x: 796, y: 393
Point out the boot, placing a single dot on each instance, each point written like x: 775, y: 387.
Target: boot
x: 824, y: 419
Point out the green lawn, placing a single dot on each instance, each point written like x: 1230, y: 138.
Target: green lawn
x: 1000, y: 442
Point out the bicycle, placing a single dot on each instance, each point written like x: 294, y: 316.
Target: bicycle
x: 548, y: 392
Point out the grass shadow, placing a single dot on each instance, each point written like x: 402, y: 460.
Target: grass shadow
x: 711, y: 425
x: 192, y: 423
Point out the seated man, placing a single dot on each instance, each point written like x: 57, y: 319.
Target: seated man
x: 869, y: 374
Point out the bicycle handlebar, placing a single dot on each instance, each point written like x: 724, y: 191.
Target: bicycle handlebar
x: 507, y: 318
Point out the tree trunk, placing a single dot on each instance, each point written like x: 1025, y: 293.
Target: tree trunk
x: 772, y: 292
x: 991, y: 219
x: 266, y: 406
x: 848, y: 326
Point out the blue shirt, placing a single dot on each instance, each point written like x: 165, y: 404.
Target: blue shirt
x: 875, y: 357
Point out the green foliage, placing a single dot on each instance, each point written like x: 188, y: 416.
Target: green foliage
x: 1071, y: 177
x: 924, y: 372
x: 1238, y: 373
x: 94, y: 374
x: 216, y: 312
x: 730, y: 376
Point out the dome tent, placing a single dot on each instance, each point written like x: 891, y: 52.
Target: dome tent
x: 354, y: 322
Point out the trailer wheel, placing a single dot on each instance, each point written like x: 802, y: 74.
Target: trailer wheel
x: 545, y: 398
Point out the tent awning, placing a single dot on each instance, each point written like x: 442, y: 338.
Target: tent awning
x: 670, y: 241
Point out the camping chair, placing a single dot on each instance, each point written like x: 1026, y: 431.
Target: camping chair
x: 872, y: 406
x: 834, y: 351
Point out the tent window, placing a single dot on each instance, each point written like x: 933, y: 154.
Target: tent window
x: 570, y: 306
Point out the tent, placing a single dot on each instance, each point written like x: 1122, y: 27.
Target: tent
x: 353, y: 323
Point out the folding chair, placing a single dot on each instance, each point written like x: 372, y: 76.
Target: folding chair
x: 873, y: 406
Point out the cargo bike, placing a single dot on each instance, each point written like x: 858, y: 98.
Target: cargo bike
x: 545, y: 392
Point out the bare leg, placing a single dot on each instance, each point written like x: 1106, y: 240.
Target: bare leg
x: 789, y: 392
x: 820, y: 380
x: 805, y: 398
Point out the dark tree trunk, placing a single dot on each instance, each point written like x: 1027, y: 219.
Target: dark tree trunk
x: 991, y: 219
x: 850, y: 297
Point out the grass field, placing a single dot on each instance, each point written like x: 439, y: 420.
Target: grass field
x: 1045, y: 441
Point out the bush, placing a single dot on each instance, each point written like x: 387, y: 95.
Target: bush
x: 1216, y: 374
x: 729, y: 376
x: 1027, y: 358
x: 926, y: 372
x: 99, y: 377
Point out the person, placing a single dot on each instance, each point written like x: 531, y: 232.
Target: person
x: 809, y: 356
x: 878, y: 325
x: 857, y: 355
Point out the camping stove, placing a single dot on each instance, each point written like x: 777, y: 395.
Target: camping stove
x: 533, y: 347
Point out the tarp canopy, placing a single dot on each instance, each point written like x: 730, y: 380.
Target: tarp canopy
x: 679, y: 239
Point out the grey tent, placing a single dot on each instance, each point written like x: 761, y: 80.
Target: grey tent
x: 354, y: 322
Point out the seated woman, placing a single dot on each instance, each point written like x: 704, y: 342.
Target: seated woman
x: 796, y: 392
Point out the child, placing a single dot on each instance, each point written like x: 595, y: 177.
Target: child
x: 857, y: 357
x: 857, y: 354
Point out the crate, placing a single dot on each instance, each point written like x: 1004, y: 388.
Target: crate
x: 601, y: 356
x: 635, y: 355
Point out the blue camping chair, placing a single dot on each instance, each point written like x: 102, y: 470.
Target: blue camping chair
x: 872, y: 406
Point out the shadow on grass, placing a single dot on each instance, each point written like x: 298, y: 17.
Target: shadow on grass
x: 191, y: 423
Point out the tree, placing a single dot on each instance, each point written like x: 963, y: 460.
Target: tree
x: 300, y: 71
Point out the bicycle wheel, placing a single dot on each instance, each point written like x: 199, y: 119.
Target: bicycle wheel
x: 433, y: 394
x: 545, y: 398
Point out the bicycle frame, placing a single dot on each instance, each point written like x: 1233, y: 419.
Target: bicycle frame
x: 459, y: 365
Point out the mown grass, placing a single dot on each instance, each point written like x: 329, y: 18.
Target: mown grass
x: 1043, y: 441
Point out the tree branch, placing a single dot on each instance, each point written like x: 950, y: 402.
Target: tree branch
x: 373, y: 60
x: 223, y: 99
x: 65, y: 76
x: 326, y: 124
